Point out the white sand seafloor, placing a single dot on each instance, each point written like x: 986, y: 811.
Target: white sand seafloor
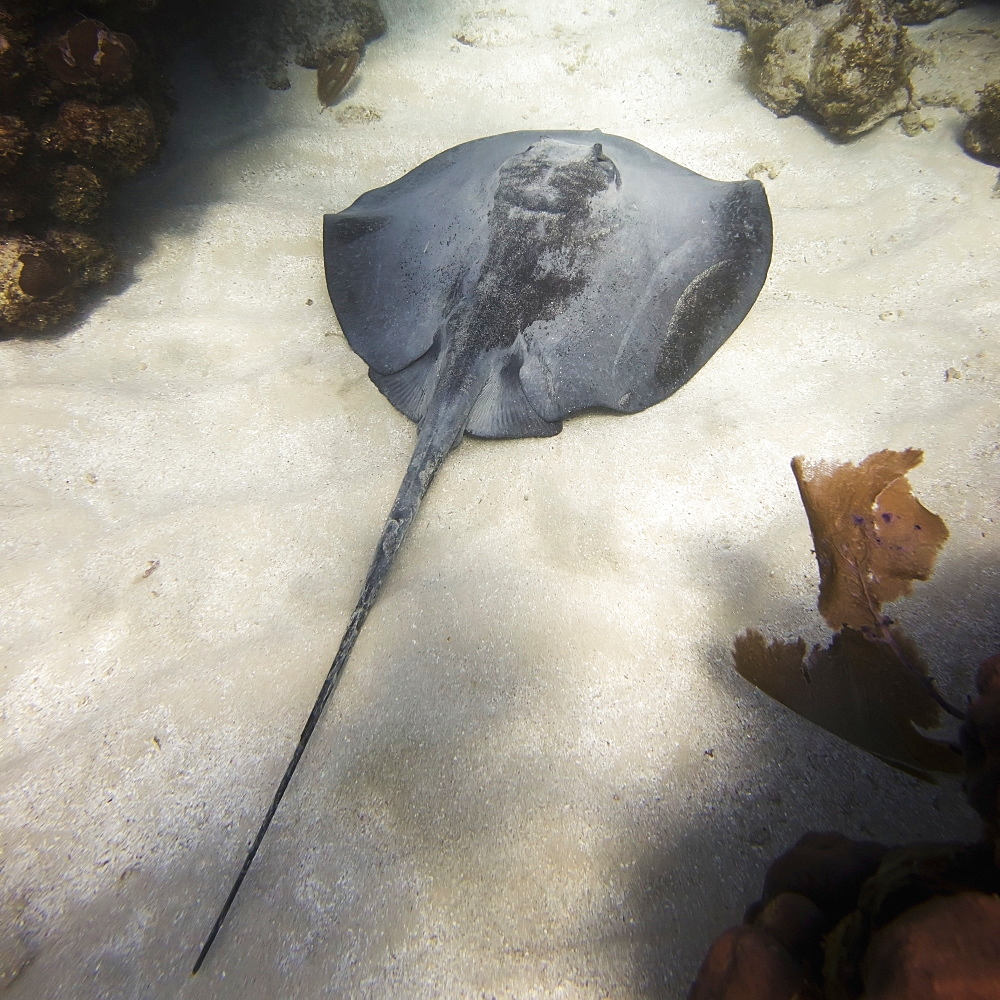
x: 540, y: 776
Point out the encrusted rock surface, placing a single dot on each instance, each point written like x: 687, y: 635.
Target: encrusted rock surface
x: 751, y: 14
x: 844, y: 919
x: 42, y: 278
x: 851, y: 64
x: 747, y: 963
x: 845, y: 64
x: 946, y: 947
x: 259, y: 38
x: 83, y: 107
x: 982, y: 133
x: 85, y: 104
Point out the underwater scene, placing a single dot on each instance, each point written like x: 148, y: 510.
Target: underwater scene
x: 500, y: 499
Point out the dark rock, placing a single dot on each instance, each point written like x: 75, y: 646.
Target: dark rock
x: 796, y: 922
x: 14, y: 137
x: 256, y: 39
x: 117, y: 138
x: 88, y: 52
x: 981, y: 746
x: 827, y: 868
x: 78, y: 194
x: 948, y: 947
x: 747, y: 963
x: 981, y: 137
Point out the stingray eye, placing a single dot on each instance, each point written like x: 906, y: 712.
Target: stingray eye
x: 606, y: 164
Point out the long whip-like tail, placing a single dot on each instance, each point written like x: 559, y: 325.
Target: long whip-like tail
x: 436, y: 438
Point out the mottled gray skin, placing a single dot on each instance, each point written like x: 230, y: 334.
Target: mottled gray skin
x: 512, y: 281
x: 551, y: 207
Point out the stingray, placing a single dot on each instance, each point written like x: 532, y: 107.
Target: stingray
x: 512, y: 281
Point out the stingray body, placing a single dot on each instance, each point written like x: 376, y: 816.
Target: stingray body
x: 514, y: 280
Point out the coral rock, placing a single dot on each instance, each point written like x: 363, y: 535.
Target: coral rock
x: 982, y: 133
x: 15, y: 203
x: 861, y: 69
x: 88, y: 52
x: 747, y: 963
x: 78, y: 194
x: 923, y: 11
x: 261, y: 37
x: 847, y: 64
x: 13, y: 64
x: 118, y: 138
x: 41, y: 279
x: 754, y: 16
x: 948, y: 947
x: 770, y: 15
x: 30, y: 272
x: 827, y: 868
x: 82, y: 105
x: 796, y: 922
x: 780, y: 64
x: 14, y: 136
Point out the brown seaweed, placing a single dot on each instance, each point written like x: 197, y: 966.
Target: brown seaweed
x: 333, y: 75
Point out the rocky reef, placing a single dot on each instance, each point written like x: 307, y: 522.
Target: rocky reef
x: 257, y: 39
x: 849, y: 65
x: 84, y: 103
x: 982, y: 133
x: 81, y: 106
x: 842, y: 919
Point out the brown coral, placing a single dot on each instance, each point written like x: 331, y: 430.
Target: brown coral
x: 862, y: 921
x: 827, y: 868
x: 747, y: 963
x: 918, y: 919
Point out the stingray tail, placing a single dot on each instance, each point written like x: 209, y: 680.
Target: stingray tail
x: 439, y: 432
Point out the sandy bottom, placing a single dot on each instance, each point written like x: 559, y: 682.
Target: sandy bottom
x: 540, y: 776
